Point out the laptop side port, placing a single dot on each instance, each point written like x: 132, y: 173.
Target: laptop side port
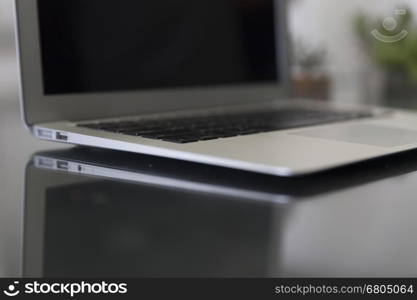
x: 62, y: 165
x: 61, y: 137
x: 44, y: 134
x: 44, y: 162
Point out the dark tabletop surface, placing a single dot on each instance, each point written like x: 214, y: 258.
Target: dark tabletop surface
x: 183, y: 219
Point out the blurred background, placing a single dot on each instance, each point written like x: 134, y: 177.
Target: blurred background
x: 10, y: 211
x: 8, y: 70
x: 335, y: 57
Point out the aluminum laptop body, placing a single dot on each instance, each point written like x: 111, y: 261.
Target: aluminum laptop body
x: 93, y: 62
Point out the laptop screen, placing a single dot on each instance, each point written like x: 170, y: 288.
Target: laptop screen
x: 123, y: 45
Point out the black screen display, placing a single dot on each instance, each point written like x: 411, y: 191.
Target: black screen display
x: 117, y: 45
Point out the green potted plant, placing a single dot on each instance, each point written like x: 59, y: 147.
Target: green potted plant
x: 309, y: 77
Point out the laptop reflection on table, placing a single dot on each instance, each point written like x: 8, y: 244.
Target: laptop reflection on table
x: 139, y: 222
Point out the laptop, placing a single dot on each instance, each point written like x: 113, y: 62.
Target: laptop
x: 147, y: 212
x: 209, y: 221
x: 194, y: 80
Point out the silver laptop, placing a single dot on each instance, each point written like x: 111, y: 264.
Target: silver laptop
x: 202, y: 81
x: 111, y: 198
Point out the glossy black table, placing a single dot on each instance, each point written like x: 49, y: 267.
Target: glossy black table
x: 174, y: 219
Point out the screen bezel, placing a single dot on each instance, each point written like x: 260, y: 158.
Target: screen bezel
x: 40, y: 108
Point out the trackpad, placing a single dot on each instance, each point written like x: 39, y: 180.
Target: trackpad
x: 364, y: 134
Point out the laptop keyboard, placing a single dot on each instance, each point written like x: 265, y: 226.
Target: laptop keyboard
x: 210, y: 127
